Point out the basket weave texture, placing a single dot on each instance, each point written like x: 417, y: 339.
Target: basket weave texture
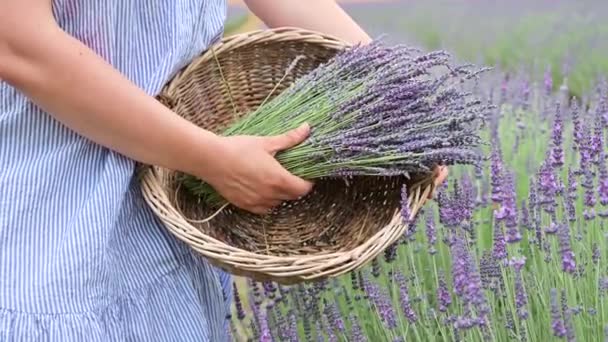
x: 340, y: 226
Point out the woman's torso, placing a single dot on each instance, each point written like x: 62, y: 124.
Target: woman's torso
x: 75, y: 234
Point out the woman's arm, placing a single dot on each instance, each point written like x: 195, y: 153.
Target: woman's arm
x: 324, y: 16
x: 81, y: 90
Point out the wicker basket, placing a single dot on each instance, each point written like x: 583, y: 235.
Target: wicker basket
x: 337, y: 228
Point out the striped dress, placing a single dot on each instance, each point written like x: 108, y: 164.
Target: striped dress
x: 81, y: 256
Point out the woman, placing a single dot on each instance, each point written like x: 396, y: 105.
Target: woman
x: 81, y: 256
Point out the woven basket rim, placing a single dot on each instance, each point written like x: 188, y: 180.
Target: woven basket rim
x: 330, y: 263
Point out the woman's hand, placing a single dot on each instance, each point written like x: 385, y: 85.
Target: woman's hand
x: 247, y: 174
x: 440, y: 174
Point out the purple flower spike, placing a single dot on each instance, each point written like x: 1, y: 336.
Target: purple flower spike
x: 496, y: 174
x: 508, y: 210
x: 603, y: 179
x: 548, y: 187
x: 468, y: 286
x: 548, y: 81
x: 499, y: 249
x: 521, y: 299
x: 568, y: 263
x: 557, y: 153
x: 443, y: 294
x: 240, y: 313
x: 596, y: 254
x: 333, y: 316
x: 356, y: 332
x: 431, y: 234
x: 557, y: 322
x: 404, y: 298
x: 382, y: 303
x: 567, y: 314
x: 265, y: 335
x: 525, y: 216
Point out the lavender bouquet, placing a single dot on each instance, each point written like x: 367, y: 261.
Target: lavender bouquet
x: 374, y: 110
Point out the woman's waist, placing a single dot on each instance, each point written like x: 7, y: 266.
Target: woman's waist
x: 78, y: 270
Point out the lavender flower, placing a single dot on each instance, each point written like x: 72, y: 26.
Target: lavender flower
x: 508, y: 210
x: 525, y: 216
x: 333, y: 315
x: 382, y: 303
x: 240, y: 313
x: 603, y: 179
x: 404, y: 297
x: 431, y: 234
x: 375, y: 110
x: 548, y: 82
x: 521, y: 299
x: 557, y: 153
x: 548, y: 187
x: 356, y: 333
x: 577, y: 132
x: 443, y: 294
x: 568, y: 263
x: 489, y: 268
x: 496, y: 174
x: 595, y: 254
x: 265, y: 334
x: 467, y: 285
x: 499, y: 250
x: 567, y: 314
x: 557, y: 322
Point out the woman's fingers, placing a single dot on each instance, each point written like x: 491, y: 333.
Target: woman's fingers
x: 441, y: 174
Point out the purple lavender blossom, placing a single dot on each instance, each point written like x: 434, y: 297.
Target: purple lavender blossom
x: 548, y: 187
x: 319, y: 331
x: 521, y: 299
x: 595, y: 254
x: 390, y: 253
x: 577, y: 132
x: 557, y: 322
x: 557, y: 152
x: 597, y: 141
x: 548, y: 81
x: 568, y: 263
x: 382, y: 303
x: 356, y: 332
x: 333, y: 315
x: 265, y: 334
x: 603, y: 285
x: 496, y: 174
x: 507, y: 212
x: 375, y: 268
x: 468, y: 286
x: 499, y: 248
x: 431, y: 234
x: 603, y: 179
x: 240, y: 313
x: 567, y: 314
x: 331, y: 336
x: 404, y: 298
x: 489, y: 268
x: 443, y: 294
x: 525, y: 216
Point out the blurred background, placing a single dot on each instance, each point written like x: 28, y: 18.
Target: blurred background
x: 570, y: 37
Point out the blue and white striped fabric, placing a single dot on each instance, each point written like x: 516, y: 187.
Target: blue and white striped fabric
x: 81, y: 256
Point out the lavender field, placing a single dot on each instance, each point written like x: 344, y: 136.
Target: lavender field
x: 512, y: 251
